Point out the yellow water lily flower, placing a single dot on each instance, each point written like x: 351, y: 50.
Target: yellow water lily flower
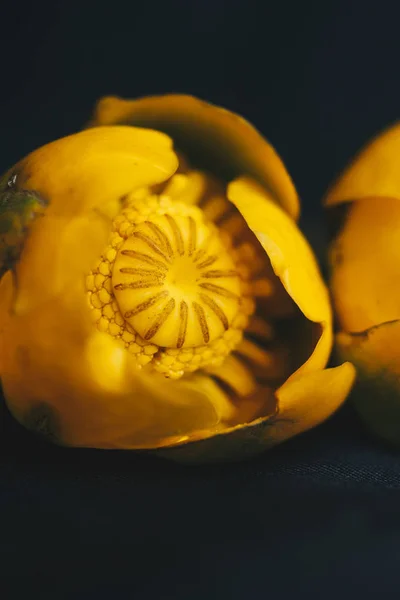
x: 157, y: 293
x: 364, y: 210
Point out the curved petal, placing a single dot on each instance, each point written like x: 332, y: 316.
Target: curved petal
x: 310, y: 399
x: 212, y: 137
x: 57, y: 368
x: 291, y: 258
x: 365, y: 259
x: 373, y: 172
x: 83, y: 177
x: 76, y: 385
x: 94, y: 168
x: 375, y: 350
x: 302, y: 404
x: 375, y: 354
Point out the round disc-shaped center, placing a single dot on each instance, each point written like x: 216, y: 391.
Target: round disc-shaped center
x: 183, y: 276
x: 175, y: 281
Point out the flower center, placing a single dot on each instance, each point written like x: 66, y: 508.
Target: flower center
x: 171, y: 287
x: 174, y: 280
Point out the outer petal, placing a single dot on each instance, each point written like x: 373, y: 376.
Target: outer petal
x: 365, y: 259
x: 291, y: 258
x: 309, y: 399
x: 210, y: 136
x: 74, y: 384
x: 375, y: 354
x: 302, y: 404
x: 96, y: 167
x: 83, y: 178
x: 58, y: 372
x: 63, y: 378
x: 374, y: 172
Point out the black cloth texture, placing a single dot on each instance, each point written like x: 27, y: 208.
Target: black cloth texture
x: 318, y: 516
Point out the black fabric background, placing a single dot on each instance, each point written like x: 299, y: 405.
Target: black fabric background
x: 318, y: 516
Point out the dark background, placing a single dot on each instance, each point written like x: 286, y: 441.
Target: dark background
x: 318, y: 516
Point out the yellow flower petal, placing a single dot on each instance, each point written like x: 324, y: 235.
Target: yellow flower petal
x: 83, y: 177
x: 375, y: 350
x: 365, y: 259
x: 58, y: 373
x: 210, y: 136
x: 373, y: 172
x: 57, y: 255
x: 95, y: 168
x: 55, y: 367
x: 308, y: 400
x: 291, y: 258
x: 302, y: 404
x: 78, y: 386
x: 375, y: 354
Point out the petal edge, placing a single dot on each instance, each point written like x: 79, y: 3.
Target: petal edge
x: 200, y: 125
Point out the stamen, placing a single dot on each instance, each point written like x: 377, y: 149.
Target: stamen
x: 260, y: 328
x: 215, y: 208
x: 268, y: 365
x: 236, y: 375
x: 234, y: 225
x: 254, y: 261
x: 262, y: 288
x: 255, y: 353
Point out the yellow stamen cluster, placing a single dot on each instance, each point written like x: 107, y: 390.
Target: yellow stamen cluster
x: 170, y: 286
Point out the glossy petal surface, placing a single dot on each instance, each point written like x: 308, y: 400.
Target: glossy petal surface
x: 213, y: 138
